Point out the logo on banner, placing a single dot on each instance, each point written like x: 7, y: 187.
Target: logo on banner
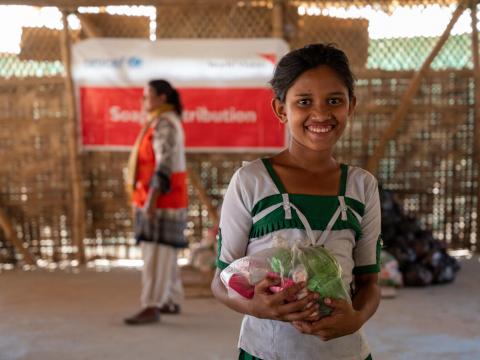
x: 262, y: 61
x: 272, y: 58
x: 131, y: 62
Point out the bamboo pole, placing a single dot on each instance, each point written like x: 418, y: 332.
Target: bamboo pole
x: 406, y: 101
x: 203, y: 196
x: 10, y: 235
x: 88, y: 27
x: 158, y: 10
x: 78, y: 208
x: 476, y: 77
x: 277, y: 19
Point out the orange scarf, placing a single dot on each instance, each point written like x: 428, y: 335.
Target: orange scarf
x: 132, y: 160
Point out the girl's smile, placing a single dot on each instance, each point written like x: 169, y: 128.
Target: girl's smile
x: 321, y: 128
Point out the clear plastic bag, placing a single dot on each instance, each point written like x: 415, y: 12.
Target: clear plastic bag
x: 314, y: 265
x: 390, y: 274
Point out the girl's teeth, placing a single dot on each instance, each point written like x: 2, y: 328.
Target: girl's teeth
x: 320, y: 129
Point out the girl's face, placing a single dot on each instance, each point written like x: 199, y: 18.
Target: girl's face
x: 316, y: 108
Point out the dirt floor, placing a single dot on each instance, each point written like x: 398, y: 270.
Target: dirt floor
x: 73, y: 315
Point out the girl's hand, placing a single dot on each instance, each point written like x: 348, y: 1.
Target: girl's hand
x: 279, y: 306
x: 343, y: 320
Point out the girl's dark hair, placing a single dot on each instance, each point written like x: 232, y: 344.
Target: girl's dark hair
x: 296, y: 62
x: 164, y: 87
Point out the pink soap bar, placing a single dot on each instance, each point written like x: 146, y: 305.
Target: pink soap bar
x: 286, y: 283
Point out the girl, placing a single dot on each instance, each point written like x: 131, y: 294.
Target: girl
x: 314, y: 98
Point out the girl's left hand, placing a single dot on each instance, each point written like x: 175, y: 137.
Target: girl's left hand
x: 343, y: 320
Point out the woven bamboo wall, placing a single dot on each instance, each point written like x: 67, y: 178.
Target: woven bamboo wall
x: 430, y: 163
x: 34, y: 183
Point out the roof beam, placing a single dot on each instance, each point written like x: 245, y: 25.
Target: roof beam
x: 77, y: 3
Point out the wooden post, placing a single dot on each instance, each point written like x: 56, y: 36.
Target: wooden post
x: 204, y: 198
x: 163, y: 7
x: 88, y: 27
x: 405, y: 103
x: 277, y: 19
x: 10, y: 235
x: 78, y: 206
x: 476, y: 77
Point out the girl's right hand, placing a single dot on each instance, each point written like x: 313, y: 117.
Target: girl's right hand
x: 266, y: 305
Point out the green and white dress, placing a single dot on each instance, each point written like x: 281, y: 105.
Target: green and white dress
x: 256, y: 207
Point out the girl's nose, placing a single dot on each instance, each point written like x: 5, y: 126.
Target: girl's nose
x: 321, y: 113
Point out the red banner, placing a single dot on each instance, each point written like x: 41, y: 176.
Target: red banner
x: 213, y: 118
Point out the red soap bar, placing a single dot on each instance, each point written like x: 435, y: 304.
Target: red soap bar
x: 241, y: 285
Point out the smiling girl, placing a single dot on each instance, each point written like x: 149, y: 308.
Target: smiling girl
x: 314, y: 98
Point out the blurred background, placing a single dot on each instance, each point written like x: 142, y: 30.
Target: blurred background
x: 64, y: 211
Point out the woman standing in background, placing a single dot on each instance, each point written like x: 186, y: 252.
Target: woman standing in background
x: 157, y: 181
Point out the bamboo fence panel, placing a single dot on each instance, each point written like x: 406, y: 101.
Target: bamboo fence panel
x: 430, y: 162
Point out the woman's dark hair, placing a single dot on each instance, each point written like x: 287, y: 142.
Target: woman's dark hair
x: 164, y: 87
x: 296, y: 62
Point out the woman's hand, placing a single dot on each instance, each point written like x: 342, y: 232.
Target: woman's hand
x: 149, y: 207
x: 149, y: 210
x: 343, y: 320
x: 283, y: 305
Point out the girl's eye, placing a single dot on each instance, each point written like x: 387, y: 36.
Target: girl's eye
x: 304, y: 102
x: 335, y: 101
